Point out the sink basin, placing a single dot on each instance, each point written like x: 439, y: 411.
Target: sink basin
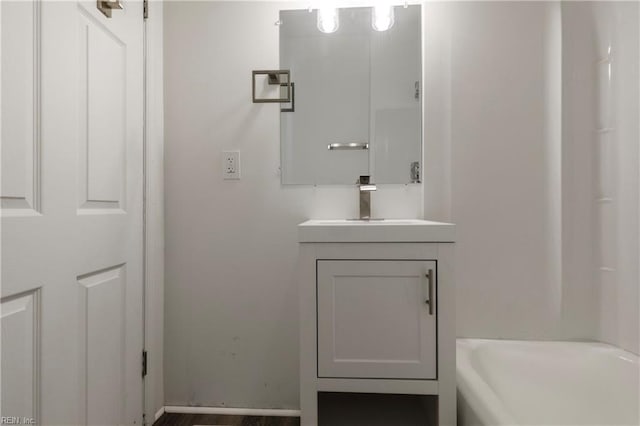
x: 375, y: 230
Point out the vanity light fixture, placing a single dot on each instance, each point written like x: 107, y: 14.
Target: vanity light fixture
x: 328, y: 19
x: 382, y: 18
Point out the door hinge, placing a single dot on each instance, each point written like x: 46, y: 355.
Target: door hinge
x: 145, y: 9
x: 144, y: 363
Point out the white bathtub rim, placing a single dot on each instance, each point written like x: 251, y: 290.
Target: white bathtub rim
x: 476, y: 392
x: 480, y: 396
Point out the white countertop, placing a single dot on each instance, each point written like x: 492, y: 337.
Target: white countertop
x: 387, y: 230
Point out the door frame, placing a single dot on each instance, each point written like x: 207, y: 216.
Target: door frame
x: 153, y: 212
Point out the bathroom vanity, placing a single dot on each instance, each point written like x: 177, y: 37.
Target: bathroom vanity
x: 377, y: 312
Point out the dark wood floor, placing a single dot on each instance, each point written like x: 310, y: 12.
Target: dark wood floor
x: 173, y: 419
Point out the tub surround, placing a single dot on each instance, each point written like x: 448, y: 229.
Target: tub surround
x: 377, y: 311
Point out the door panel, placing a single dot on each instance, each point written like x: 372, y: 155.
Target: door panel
x: 20, y: 355
x: 102, y: 343
x: 19, y: 191
x: 373, y: 320
x: 79, y: 237
x: 102, y: 78
x: 358, y: 300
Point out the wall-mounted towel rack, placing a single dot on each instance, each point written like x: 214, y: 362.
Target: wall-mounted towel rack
x: 281, y: 78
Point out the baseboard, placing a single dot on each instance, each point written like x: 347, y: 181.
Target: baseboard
x: 231, y: 411
x: 159, y: 413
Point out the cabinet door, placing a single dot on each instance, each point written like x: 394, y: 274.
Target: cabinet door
x: 374, y: 319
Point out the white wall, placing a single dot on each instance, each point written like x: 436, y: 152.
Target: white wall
x: 506, y: 173
x: 543, y: 164
x: 578, y: 173
x: 231, y: 299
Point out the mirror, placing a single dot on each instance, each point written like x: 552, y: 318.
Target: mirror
x: 357, y: 104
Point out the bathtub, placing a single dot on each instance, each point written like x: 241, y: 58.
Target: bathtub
x: 510, y: 382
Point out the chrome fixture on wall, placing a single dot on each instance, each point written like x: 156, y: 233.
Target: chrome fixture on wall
x: 281, y: 78
x: 364, y: 189
x: 348, y: 146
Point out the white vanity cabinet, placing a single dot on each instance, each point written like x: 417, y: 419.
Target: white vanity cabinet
x: 377, y: 312
x: 375, y: 319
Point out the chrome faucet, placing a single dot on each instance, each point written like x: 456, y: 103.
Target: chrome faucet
x: 365, y: 188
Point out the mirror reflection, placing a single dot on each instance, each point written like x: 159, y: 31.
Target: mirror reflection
x: 357, y: 105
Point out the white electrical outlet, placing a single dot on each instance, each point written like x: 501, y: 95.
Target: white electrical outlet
x: 231, y: 165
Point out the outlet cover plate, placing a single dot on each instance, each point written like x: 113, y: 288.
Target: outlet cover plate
x: 231, y: 165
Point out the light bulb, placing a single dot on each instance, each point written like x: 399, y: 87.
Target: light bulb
x: 382, y: 18
x: 328, y: 21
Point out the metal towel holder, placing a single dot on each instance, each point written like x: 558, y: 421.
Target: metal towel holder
x: 281, y: 78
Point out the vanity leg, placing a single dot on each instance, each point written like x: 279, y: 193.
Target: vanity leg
x: 309, y: 408
x: 308, y: 351
x: 446, y: 408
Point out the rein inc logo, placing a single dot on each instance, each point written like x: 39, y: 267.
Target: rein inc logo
x: 15, y: 420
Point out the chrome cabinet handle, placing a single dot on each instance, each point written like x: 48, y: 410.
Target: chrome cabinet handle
x: 106, y: 6
x: 429, y: 301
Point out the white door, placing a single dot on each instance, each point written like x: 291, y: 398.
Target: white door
x: 375, y: 319
x: 71, y: 194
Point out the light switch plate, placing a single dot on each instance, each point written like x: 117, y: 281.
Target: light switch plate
x: 231, y: 165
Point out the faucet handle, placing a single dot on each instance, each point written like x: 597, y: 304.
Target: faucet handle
x: 365, y: 185
x: 364, y: 180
